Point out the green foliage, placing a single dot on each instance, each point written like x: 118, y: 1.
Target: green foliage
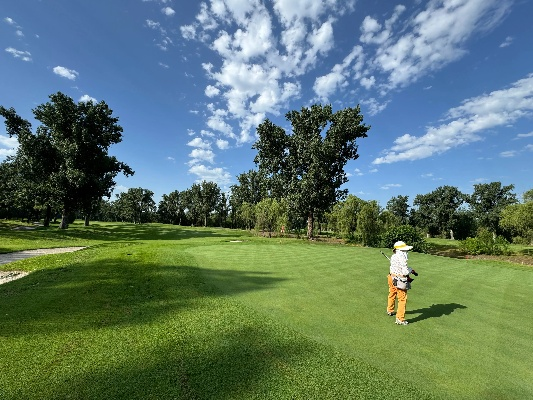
x: 528, y: 196
x: 485, y: 243
x: 436, y: 211
x: 399, y: 207
x: 518, y: 220
x: 308, y: 163
x: 488, y: 201
x: 136, y: 205
x: 66, y: 163
x: 368, y: 224
x: 171, y: 209
x: 406, y: 233
x: 343, y: 217
x: 270, y: 215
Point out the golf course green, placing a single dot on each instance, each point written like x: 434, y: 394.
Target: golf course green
x: 166, y: 312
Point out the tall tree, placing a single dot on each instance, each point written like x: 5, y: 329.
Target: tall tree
x: 345, y: 214
x: 251, y: 189
x: 73, y: 143
x: 518, y: 219
x: 527, y: 196
x: 136, y: 205
x: 222, y: 209
x: 488, y: 201
x: 368, y: 223
x: 436, y: 211
x: 202, y: 199
x: 269, y: 214
x: 399, y: 207
x: 308, y: 163
x: 171, y: 208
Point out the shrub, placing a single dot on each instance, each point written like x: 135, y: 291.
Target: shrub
x: 485, y: 243
x: 406, y: 233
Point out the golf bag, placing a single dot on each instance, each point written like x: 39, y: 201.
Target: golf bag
x: 401, y: 283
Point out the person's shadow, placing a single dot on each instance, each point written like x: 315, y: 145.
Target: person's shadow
x: 434, y: 311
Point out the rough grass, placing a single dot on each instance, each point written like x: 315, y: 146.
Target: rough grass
x: 156, y: 311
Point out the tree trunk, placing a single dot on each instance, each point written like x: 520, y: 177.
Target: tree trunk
x: 47, y: 216
x: 310, y: 222
x: 87, y: 219
x: 64, y: 220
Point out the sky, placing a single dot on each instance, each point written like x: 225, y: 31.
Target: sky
x: 446, y: 85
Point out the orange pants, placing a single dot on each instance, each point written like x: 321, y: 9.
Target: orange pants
x: 394, y: 293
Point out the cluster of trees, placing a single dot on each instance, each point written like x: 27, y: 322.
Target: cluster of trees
x: 65, y: 166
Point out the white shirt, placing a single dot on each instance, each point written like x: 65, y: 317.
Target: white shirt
x: 398, y: 264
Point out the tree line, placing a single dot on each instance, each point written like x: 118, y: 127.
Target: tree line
x: 63, y: 169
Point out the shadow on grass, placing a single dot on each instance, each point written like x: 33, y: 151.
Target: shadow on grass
x: 110, y: 292
x: 117, y: 232
x: 231, y: 366
x: 434, y: 311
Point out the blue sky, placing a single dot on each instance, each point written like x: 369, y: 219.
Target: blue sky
x: 447, y: 85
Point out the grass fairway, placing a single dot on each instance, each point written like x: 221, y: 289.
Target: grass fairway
x: 163, y: 312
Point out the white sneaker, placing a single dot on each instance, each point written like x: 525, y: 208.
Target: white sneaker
x: 398, y: 322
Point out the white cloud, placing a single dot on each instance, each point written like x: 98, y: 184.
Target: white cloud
x: 212, y: 91
x: 188, y: 32
x: 367, y: 83
x: 10, y: 21
x: 508, y: 154
x: 217, y: 175
x: 259, y: 69
x: 153, y: 24
x: 66, y: 73
x: 86, y: 98
x: 374, y: 106
x: 203, y: 132
x: 391, y: 185
x: 200, y: 143
x: 507, y: 42
x: 8, y: 146
x: 169, y: 12
x: 222, y: 144
x: 198, y: 155
x: 328, y: 84
x: 529, y: 147
x: 445, y: 25
x: 23, y: 55
x: 524, y: 135
x: 468, y: 122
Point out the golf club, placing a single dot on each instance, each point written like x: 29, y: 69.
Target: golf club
x: 384, y: 255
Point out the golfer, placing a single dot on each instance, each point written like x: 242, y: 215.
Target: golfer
x: 398, y: 270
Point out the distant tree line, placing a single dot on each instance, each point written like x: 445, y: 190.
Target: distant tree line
x: 64, y: 170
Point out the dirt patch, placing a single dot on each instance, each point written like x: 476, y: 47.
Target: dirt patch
x: 515, y: 259
x: 455, y: 253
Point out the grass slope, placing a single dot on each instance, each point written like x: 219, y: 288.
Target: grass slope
x: 158, y: 311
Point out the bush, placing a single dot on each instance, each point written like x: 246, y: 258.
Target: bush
x: 485, y: 243
x: 406, y: 233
